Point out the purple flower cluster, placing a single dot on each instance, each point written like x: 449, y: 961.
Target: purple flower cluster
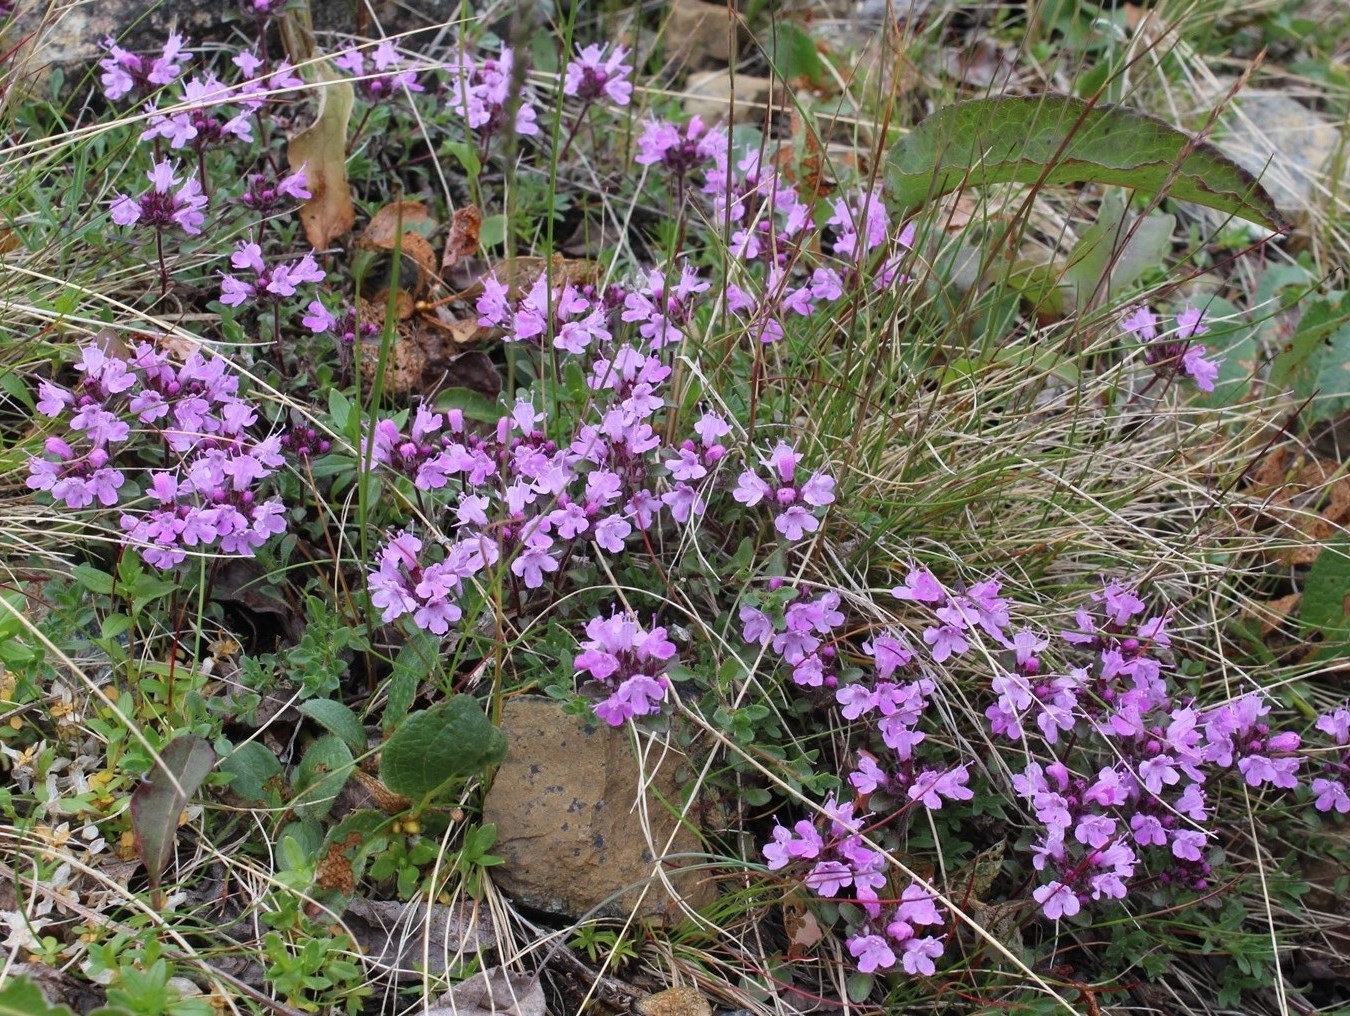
x: 790, y: 498
x: 628, y: 663
x: 1132, y: 776
x: 593, y: 75
x: 125, y: 73
x: 482, y: 94
x: 680, y: 148
x: 770, y: 230
x: 571, y: 316
x: 271, y: 283
x: 896, y: 930
x: 520, y: 498
x: 161, y: 207
x: 1332, y: 788
x: 265, y: 193
x: 379, y: 74
x: 195, y: 412
x: 196, y: 120
x: 1176, y: 352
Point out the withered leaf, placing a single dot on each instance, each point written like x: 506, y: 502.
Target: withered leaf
x: 322, y: 149
x: 463, y: 239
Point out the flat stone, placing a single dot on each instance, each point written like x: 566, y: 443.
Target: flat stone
x: 567, y: 829
x: 1291, y: 148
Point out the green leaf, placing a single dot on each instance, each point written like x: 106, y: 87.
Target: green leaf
x: 93, y: 579
x: 321, y: 775
x: 20, y: 996
x: 448, y: 742
x: 340, y: 409
x: 1063, y: 140
x: 795, y: 54
x: 159, y: 801
x: 254, y: 767
x: 412, y: 665
x: 1325, y: 590
x: 1233, y: 338
x: 1329, y: 370
x: 114, y: 625
x: 337, y: 719
x: 1116, y: 250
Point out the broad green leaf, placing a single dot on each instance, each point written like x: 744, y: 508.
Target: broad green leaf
x: 1231, y: 337
x: 337, y: 719
x: 93, y: 579
x: 1062, y: 140
x: 448, y: 742
x: 20, y: 996
x: 1325, y: 591
x: 321, y: 775
x: 412, y: 666
x: 253, y: 766
x: 159, y: 801
x: 1118, y: 249
x: 1329, y: 370
x: 795, y: 54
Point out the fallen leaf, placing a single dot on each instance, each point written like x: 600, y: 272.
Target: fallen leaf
x: 403, y: 303
x: 392, y: 221
x: 495, y: 992
x: 681, y: 1000
x: 321, y: 148
x: 463, y: 239
x: 397, y: 935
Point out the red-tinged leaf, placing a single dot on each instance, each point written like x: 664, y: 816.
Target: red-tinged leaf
x: 159, y: 801
x: 463, y: 241
x: 1055, y: 139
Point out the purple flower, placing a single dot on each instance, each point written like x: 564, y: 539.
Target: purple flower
x: 680, y: 149
x: 592, y: 75
x: 1057, y: 900
x: 161, y: 207
x: 872, y: 953
x: 125, y: 72
x: 382, y: 74
x: 482, y: 95
x: 272, y: 283
x: 919, y: 954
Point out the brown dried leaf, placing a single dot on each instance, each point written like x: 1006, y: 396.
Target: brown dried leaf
x: 520, y: 274
x: 395, y: 220
x: 802, y: 928
x: 403, y: 304
x: 381, y: 796
x: 334, y: 870
x: 395, y: 935
x: 495, y: 992
x: 398, y: 228
x: 681, y: 1000
x: 322, y: 149
x: 1271, y: 614
x: 463, y: 239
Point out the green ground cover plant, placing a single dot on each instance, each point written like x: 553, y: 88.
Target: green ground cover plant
x: 950, y: 471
